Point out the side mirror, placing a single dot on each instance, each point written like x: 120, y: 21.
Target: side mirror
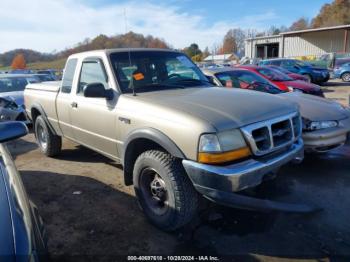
x: 12, y: 130
x: 97, y: 90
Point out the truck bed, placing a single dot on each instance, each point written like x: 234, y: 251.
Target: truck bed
x: 44, y: 95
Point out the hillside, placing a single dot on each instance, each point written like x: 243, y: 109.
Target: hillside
x: 37, y: 60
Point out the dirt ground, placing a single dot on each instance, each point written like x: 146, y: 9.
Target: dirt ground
x: 90, y: 214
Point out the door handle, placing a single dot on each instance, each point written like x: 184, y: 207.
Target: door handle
x: 74, y: 104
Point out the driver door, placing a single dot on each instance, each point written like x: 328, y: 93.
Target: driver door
x: 94, y: 119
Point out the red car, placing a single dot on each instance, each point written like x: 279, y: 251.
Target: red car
x: 290, y: 74
x: 284, y: 82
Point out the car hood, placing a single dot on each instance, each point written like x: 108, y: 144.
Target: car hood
x: 221, y: 107
x: 317, y: 108
x: 302, y: 85
x: 17, y: 97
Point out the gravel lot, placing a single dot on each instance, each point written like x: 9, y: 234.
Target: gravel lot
x: 89, y: 212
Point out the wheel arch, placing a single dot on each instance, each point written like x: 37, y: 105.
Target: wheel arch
x: 37, y: 110
x: 343, y: 73
x: 141, y: 140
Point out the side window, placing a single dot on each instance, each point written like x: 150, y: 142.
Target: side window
x: 287, y: 63
x: 68, y: 75
x: 92, y: 72
x: 276, y: 62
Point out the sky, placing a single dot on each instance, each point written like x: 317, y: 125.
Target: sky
x: 53, y: 25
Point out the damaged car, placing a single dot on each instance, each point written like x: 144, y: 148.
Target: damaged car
x: 11, y: 97
x: 326, y: 123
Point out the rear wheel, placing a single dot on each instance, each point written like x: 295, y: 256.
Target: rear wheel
x: 346, y: 77
x: 49, y: 143
x: 164, y: 191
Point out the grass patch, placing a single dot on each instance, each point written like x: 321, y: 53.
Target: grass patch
x: 56, y: 64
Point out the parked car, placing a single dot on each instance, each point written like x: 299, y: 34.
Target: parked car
x: 51, y: 72
x: 11, y: 97
x: 22, y: 234
x: 21, y: 71
x: 313, y: 74
x: 176, y: 136
x: 342, y: 72
x: 284, y: 82
x: 326, y: 123
x: 44, y: 77
x: 290, y: 74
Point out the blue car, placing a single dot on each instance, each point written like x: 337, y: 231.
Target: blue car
x: 313, y: 74
x: 22, y: 234
x: 342, y: 72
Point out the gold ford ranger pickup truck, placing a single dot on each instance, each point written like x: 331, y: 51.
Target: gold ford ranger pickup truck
x: 176, y: 136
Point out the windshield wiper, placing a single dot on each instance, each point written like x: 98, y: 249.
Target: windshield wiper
x: 158, y: 86
x: 189, y: 80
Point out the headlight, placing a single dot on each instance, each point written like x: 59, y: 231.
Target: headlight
x: 292, y: 89
x: 222, y: 147
x: 317, y: 125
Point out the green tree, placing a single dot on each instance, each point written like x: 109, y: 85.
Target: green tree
x: 192, y: 50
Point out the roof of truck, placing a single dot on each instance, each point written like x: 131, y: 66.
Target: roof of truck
x: 117, y: 50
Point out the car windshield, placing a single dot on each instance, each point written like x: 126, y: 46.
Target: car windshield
x: 246, y: 80
x: 303, y: 63
x: 281, y: 69
x: 274, y: 74
x: 153, y: 70
x: 12, y: 84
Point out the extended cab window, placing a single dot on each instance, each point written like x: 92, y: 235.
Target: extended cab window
x: 92, y: 72
x: 68, y: 75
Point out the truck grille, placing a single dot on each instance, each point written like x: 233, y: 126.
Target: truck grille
x: 268, y: 136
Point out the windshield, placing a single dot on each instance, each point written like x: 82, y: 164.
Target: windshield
x: 274, y: 74
x: 303, y: 63
x: 246, y: 80
x: 152, y: 70
x: 281, y: 69
x: 12, y: 84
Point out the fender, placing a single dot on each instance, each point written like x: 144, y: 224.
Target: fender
x: 157, y: 137
x: 43, y: 114
x: 128, y: 159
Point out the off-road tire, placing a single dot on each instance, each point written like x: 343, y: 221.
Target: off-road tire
x: 53, y: 142
x: 183, y: 200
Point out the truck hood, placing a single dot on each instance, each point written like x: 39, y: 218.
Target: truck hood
x: 317, y: 108
x: 222, y: 108
x: 14, y: 96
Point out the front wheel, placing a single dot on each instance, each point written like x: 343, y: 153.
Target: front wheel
x: 49, y: 143
x: 345, y: 77
x: 164, y: 191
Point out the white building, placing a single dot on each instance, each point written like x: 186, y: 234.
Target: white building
x: 221, y: 59
x: 310, y: 42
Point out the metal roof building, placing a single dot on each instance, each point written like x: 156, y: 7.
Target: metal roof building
x: 221, y: 58
x: 310, y: 42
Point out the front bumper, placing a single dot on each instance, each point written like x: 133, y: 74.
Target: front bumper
x: 218, y: 183
x: 326, y: 139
